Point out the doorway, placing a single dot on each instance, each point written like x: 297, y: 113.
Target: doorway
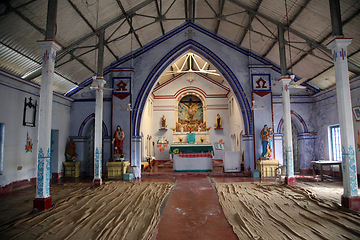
x: 295, y: 147
x: 54, y: 153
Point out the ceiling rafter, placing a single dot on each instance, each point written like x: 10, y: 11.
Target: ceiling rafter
x: 169, y: 7
x: 297, y: 14
x: 160, y: 17
x: 112, y: 34
x: 39, y: 29
x: 219, y: 15
x: 74, y: 45
x: 252, y: 30
x: 9, y: 10
x: 129, y: 21
x: 352, y: 68
x: 267, y: 28
x: 324, y: 39
x: 22, y: 54
x: 215, y: 13
x: 293, y: 31
x: 90, y: 26
x: 43, y: 32
x: 193, y: 10
x: 70, y: 48
x: 186, y: 10
x: 251, y: 19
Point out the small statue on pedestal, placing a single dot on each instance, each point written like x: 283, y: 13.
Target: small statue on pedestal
x: 71, y: 150
x: 266, y: 141
x: 218, y: 121
x: 163, y: 122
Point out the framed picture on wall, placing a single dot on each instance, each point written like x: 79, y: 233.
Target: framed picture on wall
x: 29, y: 113
x: 356, y: 111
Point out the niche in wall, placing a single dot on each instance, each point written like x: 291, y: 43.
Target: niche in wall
x: 190, y: 114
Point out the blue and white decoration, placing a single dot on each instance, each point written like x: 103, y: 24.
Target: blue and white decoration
x: 43, y: 175
x: 289, y: 162
x: 348, y: 158
x: 97, y: 163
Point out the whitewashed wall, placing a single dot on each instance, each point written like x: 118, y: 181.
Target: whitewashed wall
x: 216, y: 103
x: 317, y: 116
x: 147, y: 130
x: 327, y: 115
x: 18, y: 164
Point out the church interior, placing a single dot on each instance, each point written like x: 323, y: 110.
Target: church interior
x: 179, y: 119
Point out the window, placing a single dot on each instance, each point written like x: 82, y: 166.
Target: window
x: 2, y: 132
x: 335, y: 143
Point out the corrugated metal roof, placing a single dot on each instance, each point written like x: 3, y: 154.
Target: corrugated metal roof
x: 248, y: 23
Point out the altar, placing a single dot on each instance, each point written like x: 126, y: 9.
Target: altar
x: 192, y: 156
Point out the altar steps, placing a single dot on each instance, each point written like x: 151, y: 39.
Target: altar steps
x: 163, y: 168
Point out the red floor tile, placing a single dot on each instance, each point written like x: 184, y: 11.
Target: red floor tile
x: 193, y: 212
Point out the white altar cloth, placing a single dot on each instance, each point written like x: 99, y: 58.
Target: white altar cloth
x: 201, y: 163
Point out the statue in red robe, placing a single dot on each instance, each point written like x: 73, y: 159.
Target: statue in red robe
x: 118, y: 140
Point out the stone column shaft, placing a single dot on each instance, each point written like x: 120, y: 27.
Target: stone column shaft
x: 98, y: 83
x: 338, y: 47
x: 43, y: 199
x: 287, y: 132
x: 136, y: 152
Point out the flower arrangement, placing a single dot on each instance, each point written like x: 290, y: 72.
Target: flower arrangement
x: 180, y: 139
x: 208, y: 128
x: 174, y: 129
x: 122, y: 155
x: 190, y: 128
x: 202, y: 139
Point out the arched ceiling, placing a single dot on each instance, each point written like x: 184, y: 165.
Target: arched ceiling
x: 131, y: 24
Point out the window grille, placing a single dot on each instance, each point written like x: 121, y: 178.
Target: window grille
x: 335, y: 143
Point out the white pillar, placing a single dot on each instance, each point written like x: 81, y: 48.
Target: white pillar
x: 289, y: 179
x: 248, y: 142
x: 338, y: 48
x: 136, y: 152
x: 43, y: 199
x: 98, y: 83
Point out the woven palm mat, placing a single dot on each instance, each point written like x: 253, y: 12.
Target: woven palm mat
x: 272, y: 211
x: 115, y: 210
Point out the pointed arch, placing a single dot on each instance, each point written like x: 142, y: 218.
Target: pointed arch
x: 168, y: 59
x: 298, y: 120
x: 87, y: 119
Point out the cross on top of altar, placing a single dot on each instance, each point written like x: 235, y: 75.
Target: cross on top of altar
x: 190, y: 34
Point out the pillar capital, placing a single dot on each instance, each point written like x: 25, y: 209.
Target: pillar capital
x: 337, y: 42
x: 49, y: 44
x: 98, y: 81
x: 285, y: 80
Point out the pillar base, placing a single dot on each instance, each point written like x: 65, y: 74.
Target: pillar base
x: 352, y: 203
x: 41, y: 204
x: 290, y: 181
x: 97, y: 182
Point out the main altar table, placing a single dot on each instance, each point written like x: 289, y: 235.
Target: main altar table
x: 191, y: 148
x: 192, y: 157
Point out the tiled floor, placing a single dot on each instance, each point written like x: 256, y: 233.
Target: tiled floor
x: 192, y: 209
x: 193, y: 212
